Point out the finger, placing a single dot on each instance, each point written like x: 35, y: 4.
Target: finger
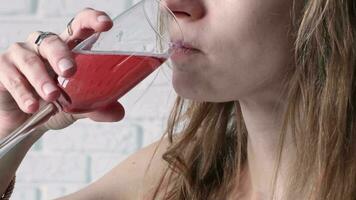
x: 56, y: 51
x: 32, y: 67
x: 112, y: 113
x: 86, y: 23
x: 18, y: 87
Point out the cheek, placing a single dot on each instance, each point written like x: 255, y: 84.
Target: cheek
x: 225, y: 76
x: 247, y: 52
x: 252, y: 51
x: 243, y: 72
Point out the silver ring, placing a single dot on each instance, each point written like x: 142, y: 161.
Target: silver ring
x: 40, y: 38
x: 69, y: 27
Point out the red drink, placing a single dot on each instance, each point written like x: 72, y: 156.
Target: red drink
x: 103, y: 78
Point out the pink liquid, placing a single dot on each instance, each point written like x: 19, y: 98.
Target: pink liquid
x: 103, y: 78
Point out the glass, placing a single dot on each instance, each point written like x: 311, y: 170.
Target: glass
x: 110, y: 63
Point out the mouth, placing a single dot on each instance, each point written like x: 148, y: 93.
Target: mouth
x: 181, y: 44
x: 181, y: 50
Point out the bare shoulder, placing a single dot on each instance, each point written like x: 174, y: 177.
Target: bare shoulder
x: 131, y: 179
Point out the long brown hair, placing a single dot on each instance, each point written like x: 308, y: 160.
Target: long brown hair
x: 211, y: 149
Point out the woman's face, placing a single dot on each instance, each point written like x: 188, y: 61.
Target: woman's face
x: 240, y: 48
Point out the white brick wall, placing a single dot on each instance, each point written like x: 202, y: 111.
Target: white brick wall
x: 67, y: 160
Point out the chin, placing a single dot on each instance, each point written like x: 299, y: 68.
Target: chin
x: 186, y: 91
x: 192, y: 93
x: 189, y: 86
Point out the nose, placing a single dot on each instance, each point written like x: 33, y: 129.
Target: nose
x: 186, y: 9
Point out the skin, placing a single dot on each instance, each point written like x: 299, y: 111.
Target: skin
x: 24, y: 74
x: 242, y: 47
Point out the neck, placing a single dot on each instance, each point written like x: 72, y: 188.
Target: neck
x: 264, y: 118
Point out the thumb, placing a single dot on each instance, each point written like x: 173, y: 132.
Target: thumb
x: 112, y: 113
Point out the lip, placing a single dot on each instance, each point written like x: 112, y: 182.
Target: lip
x: 182, y: 50
x: 181, y: 44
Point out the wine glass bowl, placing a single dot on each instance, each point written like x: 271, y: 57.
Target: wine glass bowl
x: 109, y: 64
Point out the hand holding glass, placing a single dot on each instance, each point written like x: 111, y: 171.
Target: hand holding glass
x: 109, y: 64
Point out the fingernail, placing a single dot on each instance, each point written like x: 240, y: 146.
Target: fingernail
x: 65, y: 64
x: 103, y: 18
x: 48, y: 88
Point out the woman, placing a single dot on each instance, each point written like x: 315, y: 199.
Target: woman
x: 266, y: 108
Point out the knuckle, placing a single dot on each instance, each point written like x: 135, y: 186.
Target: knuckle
x: 3, y: 59
x: 50, y: 40
x: 16, y: 82
x: 84, y: 12
x: 98, y: 12
x: 57, y: 54
x: 15, y: 47
x: 91, y: 12
x: 87, y: 9
x: 32, y: 35
x: 23, y: 95
x: 61, y: 49
x: 40, y: 79
x: 4, y: 63
x: 31, y: 60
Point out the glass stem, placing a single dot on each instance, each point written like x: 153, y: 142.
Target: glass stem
x: 28, y: 127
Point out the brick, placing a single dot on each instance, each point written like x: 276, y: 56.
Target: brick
x: 95, y: 137
x: 13, y: 7
x: 53, y: 191
x: 40, y: 167
x: 112, y: 7
x: 25, y: 191
x: 52, y: 8
x: 18, y: 29
x: 69, y: 8
x: 153, y: 130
